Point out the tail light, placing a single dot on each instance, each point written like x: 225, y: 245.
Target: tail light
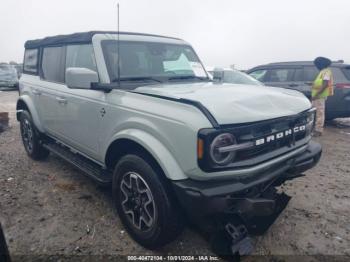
x: 342, y: 85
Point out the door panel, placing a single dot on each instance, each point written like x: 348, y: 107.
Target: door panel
x: 82, y: 113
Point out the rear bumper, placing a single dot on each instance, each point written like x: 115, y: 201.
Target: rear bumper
x: 248, y: 197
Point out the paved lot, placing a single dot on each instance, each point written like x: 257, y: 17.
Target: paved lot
x: 51, y: 208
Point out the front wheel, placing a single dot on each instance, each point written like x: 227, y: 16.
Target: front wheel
x: 143, y: 203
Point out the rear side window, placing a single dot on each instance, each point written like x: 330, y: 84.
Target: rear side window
x: 53, y: 64
x: 259, y: 74
x: 346, y: 71
x: 30, y: 63
x: 280, y: 75
x: 306, y: 74
x: 81, y: 56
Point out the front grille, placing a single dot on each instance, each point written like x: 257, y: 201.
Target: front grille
x: 270, y: 128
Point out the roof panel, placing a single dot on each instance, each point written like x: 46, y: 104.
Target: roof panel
x: 84, y: 37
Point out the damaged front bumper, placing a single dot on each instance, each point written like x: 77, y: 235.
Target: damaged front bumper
x: 246, y: 198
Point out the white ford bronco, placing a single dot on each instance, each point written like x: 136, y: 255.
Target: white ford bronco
x: 139, y: 112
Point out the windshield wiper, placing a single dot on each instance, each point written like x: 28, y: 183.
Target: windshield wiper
x: 188, y: 77
x: 138, y: 78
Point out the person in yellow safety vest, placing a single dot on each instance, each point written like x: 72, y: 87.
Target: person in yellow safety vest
x: 322, y: 88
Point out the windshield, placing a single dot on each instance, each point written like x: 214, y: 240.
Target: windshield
x: 148, y: 60
x: 237, y: 77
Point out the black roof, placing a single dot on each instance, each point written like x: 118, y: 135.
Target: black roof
x: 339, y: 63
x: 302, y: 63
x: 84, y: 37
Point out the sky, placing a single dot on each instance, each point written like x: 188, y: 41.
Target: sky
x: 244, y: 33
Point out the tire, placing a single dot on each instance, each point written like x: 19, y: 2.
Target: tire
x: 157, y: 221
x: 31, y: 138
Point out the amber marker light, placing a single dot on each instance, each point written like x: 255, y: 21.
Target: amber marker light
x: 200, y: 148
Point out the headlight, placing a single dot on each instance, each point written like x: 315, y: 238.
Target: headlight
x: 222, y: 140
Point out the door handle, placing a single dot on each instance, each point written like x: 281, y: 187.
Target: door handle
x: 293, y: 85
x: 61, y: 100
x: 36, y: 92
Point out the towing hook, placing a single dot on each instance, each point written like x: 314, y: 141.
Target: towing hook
x: 231, y: 242
x: 241, y: 242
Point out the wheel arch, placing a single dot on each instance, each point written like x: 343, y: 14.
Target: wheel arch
x: 134, y: 141
x: 25, y: 103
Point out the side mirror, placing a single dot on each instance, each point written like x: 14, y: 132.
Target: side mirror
x: 218, y: 75
x: 77, y: 77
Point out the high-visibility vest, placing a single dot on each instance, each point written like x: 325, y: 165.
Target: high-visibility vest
x: 318, y: 83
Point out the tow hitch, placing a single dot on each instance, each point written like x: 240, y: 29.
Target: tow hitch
x: 249, y: 217
x: 241, y: 242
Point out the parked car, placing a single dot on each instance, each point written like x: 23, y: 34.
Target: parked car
x: 19, y: 69
x: 233, y: 76
x: 8, y: 77
x: 300, y: 75
x: 151, y: 123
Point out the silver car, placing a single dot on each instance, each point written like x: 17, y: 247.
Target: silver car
x: 8, y: 77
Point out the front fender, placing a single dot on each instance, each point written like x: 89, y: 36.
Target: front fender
x: 160, y: 153
x: 34, y: 113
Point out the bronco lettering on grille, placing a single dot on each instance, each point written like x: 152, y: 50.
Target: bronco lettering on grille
x: 280, y: 135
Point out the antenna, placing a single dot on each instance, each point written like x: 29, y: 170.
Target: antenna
x: 118, y: 46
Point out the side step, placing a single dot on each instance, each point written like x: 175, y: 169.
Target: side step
x: 89, y: 167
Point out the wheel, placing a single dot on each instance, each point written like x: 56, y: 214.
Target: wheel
x: 143, y: 202
x: 31, y: 137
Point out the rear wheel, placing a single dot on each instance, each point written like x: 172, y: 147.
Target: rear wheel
x: 143, y: 202
x: 31, y: 137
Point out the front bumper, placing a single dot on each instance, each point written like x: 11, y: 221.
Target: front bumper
x: 247, y: 197
x: 5, y: 85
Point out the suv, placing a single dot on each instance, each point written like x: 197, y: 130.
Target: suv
x: 150, y: 122
x: 300, y: 75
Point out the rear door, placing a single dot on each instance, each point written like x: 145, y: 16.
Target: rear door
x: 51, y: 81
x: 338, y: 105
x: 303, y: 79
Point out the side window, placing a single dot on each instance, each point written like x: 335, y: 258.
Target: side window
x: 53, y: 64
x: 346, y: 71
x: 259, y: 74
x: 306, y: 74
x: 280, y: 75
x: 81, y: 56
x: 340, y: 76
x: 30, y: 63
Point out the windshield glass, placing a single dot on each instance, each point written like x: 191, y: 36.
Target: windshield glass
x: 160, y: 61
x: 237, y: 77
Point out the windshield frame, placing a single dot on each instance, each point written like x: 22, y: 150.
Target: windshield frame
x: 157, y: 78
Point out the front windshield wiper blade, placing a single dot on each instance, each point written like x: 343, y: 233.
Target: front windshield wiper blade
x: 138, y: 78
x: 188, y: 77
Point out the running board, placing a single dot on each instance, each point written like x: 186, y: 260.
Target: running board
x: 90, y: 168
